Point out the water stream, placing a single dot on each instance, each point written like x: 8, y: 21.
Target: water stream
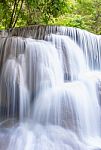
x: 50, y: 91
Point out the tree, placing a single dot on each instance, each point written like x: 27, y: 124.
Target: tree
x: 90, y: 10
x: 15, y: 12
x: 84, y: 14
x: 10, y: 12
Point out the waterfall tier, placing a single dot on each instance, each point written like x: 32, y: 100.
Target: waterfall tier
x: 50, y: 90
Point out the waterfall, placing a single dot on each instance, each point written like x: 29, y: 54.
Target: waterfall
x: 50, y: 90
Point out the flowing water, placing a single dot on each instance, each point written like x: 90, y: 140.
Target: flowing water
x: 50, y: 91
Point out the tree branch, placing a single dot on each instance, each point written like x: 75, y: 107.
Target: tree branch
x: 18, y: 14
x: 10, y: 24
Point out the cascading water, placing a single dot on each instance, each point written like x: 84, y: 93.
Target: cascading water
x: 50, y: 92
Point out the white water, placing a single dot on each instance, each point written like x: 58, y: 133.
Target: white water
x: 50, y: 93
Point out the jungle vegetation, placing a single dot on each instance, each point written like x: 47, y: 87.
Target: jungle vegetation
x: 84, y: 14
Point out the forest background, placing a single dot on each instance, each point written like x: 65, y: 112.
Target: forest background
x: 84, y: 14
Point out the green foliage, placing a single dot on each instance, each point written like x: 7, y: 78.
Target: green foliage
x: 27, y: 12
x: 70, y: 20
x: 10, y: 11
x: 90, y: 10
x: 42, y: 11
x: 84, y: 14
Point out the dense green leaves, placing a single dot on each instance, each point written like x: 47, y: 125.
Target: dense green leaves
x: 27, y: 12
x: 85, y: 14
x: 91, y: 11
